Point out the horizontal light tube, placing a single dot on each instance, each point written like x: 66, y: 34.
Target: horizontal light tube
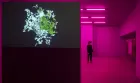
x: 99, y: 22
x: 86, y: 22
x: 97, y: 17
x: 84, y: 17
x: 95, y: 9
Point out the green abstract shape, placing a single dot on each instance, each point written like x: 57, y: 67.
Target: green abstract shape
x: 46, y: 24
x: 43, y: 23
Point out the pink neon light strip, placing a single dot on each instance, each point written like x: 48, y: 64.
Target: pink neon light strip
x: 99, y: 22
x: 86, y: 22
x: 84, y: 17
x: 97, y: 17
x: 93, y: 17
x: 95, y: 9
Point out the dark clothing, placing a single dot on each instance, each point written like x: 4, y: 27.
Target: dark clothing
x: 90, y: 57
x: 89, y: 50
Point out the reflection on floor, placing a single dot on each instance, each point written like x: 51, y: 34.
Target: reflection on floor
x: 108, y: 70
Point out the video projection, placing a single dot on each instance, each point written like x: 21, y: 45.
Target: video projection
x: 42, y: 23
x: 55, y: 25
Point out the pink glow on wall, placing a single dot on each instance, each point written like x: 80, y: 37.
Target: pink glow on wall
x: 99, y: 22
x: 81, y: 9
x: 86, y: 35
x: 108, y: 42
x: 86, y: 22
x: 130, y: 25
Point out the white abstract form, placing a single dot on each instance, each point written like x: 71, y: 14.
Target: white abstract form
x: 42, y: 23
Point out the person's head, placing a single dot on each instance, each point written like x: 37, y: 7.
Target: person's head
x: 89, y: 43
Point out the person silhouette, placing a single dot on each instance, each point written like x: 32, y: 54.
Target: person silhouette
x: 89, y: 50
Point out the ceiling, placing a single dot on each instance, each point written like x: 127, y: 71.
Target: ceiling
x: 119, y: 10
x: 116, y: 10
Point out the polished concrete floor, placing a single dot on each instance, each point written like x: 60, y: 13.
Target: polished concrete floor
x: 108, y: 70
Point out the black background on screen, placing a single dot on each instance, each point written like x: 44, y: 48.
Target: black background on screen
x: 67, y: 15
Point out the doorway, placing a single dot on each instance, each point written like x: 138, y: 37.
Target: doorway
x: 131, y: 45
x: 134, y: 48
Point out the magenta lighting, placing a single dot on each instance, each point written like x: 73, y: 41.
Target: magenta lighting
x: 99, y: 22
x: 96, y: 9
x: 86, y: 22
x: 93, y: 17
x: 97, y: 17
x: 84, y: 17
x: 81, y: 9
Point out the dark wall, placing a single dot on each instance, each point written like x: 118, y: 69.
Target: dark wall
x: 41, y: 65
x: 27, y: 64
